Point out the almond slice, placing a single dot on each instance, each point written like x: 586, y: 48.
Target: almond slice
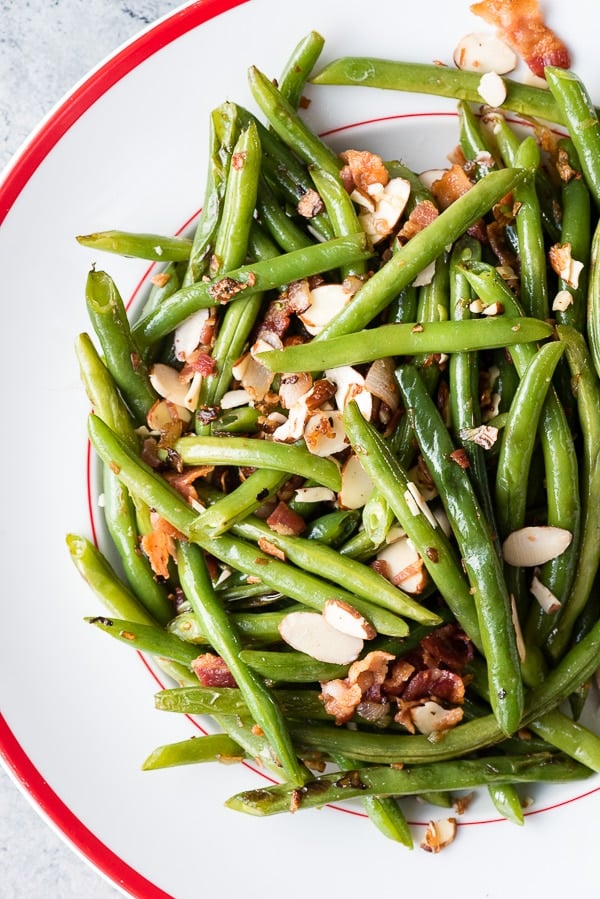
x: 439, y: 834
x: 345, y: 618
x: 532, y: 546
x: 484, y: 52
x: 309, y: 632
x: 357, y: 485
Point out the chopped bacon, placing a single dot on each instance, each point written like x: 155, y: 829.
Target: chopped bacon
x: 452, y: 184
x: 422, y: 215
x: 362, y: 169
x: 284, y: 520
x: 447, y: 647
x: 183, y: 481
x: 340, y: 699
x: 310, y: 204
x: 435, y: 682
x: 159, y: 545
x: 521, y: 24
x: 198, y: 361
x: 212, y: 671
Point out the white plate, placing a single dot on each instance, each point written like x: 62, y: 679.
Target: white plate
x: 127, y: 149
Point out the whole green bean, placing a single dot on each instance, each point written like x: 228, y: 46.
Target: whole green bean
x: 481, y: 561
x: 224, y: 638
x: 205, y: 748
x: 158, y: 247
x: 406, y: 339
x: 299, y: 66
x: 147, y: 638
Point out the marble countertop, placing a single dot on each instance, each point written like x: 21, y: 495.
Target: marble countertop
x: 44, y: 52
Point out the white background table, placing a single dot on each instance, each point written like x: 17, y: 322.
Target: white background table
x: 47, y: 46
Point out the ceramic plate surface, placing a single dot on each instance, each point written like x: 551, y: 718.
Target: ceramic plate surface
x: 127, y: 149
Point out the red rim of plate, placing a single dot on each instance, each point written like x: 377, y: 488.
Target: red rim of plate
x: 31, y: 157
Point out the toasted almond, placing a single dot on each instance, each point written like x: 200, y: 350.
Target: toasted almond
x: 314, y: 495
x: 547, y: 600
x: 433, y: 718
x: 404, y: 566
x: 439, y: 834
x: 345, y: 618
x: 324, y: 433
x: 189, y: 334
x: 532, y: 546
x: 484, y: 52
x: 326, y: 300
x: 309, y: 632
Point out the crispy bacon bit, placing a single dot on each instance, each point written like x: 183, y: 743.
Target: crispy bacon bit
x: 460, y: 457
x: 227, y: 288
x: 183, y: 481
x: 212, y: 671
x: 447, y: 647
x: 198, y: 361
x: 342, y: 696
x: 310, y: 204
x: 341, y: 699
x: 423, y: 214
x: 270, y: 549
x: 159, y: 545
x: 437, y: 682
x: 563, y: 166
x: 362, y: 169
x: 285, y: 521
x: 161, y: 279
x: 564, y: 265
x: 521, y: 24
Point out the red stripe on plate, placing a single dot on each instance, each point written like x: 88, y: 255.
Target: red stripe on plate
x: 83, y: 97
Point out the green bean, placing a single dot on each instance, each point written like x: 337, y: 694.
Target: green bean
x: 226, y: 642
x: 102, y: 391
x: 407, y: 781
x: 288, y: 125
x: 409, y: 260
x: 581, y: 118
x: 121, y: 353
x: 286, y: 174
x: 326, y: 561
x: 205, y: 748
x: 516, y: 451
x: 223, y: 130
x: 572, y: 738
x: 283, y: 229
x: 341, y: 211
x: 144, y: 484
x: 479, y: 555
x: 432, y: 308
x: 120, y: 517
x: 593, y: 302
x: 575, y: 233
x: 333, y: 528
x: 441, y: 81
x: 587, y: 392
x: 295, y: 703
x: 299, y: 66
x: 243, y: 282
x: 146, y: 638
x: 473, y: 143
x: 255, y: 629
x: 405, y: 340
x: 437, y: 553
x: 506, y: 800
x: 242, y: 420
x: 561, y: 467
x: 289, y: 666
x: 157, y: 247
x: 99, y: 574
x: 244, y: 499
x: 251, y: 451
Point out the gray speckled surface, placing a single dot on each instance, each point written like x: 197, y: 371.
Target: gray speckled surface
x: 46, y: 46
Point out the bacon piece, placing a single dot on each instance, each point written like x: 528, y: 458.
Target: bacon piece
x: 159, y: 544
x: 447, y: 647
x: 422, y: 215
x: 521, y: 24
x: 183, y: 481
x: 363, y: 169
x: 212, y: 671
x: 340, y: 699
x: 284, y: 520
x: 435, y: 683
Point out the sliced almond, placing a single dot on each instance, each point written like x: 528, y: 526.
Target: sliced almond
x: 404, y: 566
x: 168, y: 384
x: 345, y: 618
x: 350, y: 385
x: 562, y: 301
x: 233, y: 399
x: 390, y: 203
x: 314, y: 495
x: 357, y: 486
x: 326, y: 301
x: 547, y: 600
x: 484, y: 52
x: 431, y: 717
x: 532, y: 546
x: 309, y: 632
x: 492, y: 89
x: 188, y: 335
x: 324, y: 433
x: 439, y: 834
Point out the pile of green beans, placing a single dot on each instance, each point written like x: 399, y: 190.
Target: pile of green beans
x: 528, y: 374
